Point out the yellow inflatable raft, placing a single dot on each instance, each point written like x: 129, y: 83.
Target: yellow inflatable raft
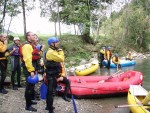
x: 138, y: 99
x: 86, y: 69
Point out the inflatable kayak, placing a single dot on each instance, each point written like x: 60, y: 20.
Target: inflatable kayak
x: 124, y: 63
x: 86, y: 69
x: 138, y: 99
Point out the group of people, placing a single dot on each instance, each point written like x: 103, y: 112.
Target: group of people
x: 105, y: 53
x: 29, y: 53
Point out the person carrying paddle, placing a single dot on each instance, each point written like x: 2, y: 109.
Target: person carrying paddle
x: 108, y: 56
x: 15, y: 62
x: 129, y: 56
x: 102, y: 56
x: 54, y: 58
x: 116, y: 60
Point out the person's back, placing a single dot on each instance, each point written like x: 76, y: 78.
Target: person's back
x: 102, y: 56
x: 108, y: 56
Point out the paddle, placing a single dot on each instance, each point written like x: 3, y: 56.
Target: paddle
x: 74, y: 104
x: 72, y: 97
x: 110, y: 77
x: 132, y: 105
x: 117, y: 66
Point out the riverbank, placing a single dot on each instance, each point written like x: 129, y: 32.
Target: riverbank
x: 14, y: 102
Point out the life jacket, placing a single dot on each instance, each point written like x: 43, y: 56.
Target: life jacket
x: 110, y: 54
x: 52, y: 68
x: 2, y: 54
x: 102, y: 53
x: 116, y: 59
x: 35, y: 53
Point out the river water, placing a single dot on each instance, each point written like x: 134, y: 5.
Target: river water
x: 108, y: 104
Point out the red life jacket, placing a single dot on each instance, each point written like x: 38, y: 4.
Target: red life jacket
x: 35, y: 53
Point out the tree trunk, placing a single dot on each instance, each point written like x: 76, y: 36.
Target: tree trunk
x: 86, y: 35
x: 58, y: 19
x: 4, y: 12
x: 24, y: 19
x: 75, y: 29
x: 9, y: 23
x: 55, y: 28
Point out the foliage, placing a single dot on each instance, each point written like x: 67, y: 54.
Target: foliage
x: 12, y: 8
x: 130, y: 28
x: 76, y: 12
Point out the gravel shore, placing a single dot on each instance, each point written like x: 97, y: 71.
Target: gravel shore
x: 14, y: 102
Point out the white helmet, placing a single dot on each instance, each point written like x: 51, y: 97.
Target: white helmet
x: 16, y: 38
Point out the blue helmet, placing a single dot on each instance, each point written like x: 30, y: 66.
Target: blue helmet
x: 33, y: 80
x: 52, y: 40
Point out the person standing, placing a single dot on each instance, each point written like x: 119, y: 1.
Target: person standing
x: 54, y: 58
x: 3, y: 61
x: 28, y: 55
x: 102, y: 56
x: 15, y: 62
x: 108, y: 56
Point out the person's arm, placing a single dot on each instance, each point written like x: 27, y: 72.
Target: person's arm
x: 27, y: 57
x: 57, y: 56
x: 3, y: 47
x: 11, y: 49
x: 102, y: 51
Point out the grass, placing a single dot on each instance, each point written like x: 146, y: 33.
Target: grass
x: 74, y: 47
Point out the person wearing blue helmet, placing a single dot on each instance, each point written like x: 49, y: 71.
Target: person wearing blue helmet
x: 54, y: 58
x: 116, y: 60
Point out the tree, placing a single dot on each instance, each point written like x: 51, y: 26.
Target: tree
x: 74, y: 12
x: 50, y: 9
x: 12, y: 8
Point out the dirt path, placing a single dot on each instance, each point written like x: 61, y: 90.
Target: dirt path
x: 14, y: 102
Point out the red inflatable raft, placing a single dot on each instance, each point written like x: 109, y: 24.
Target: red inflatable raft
x: 91, y: 86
